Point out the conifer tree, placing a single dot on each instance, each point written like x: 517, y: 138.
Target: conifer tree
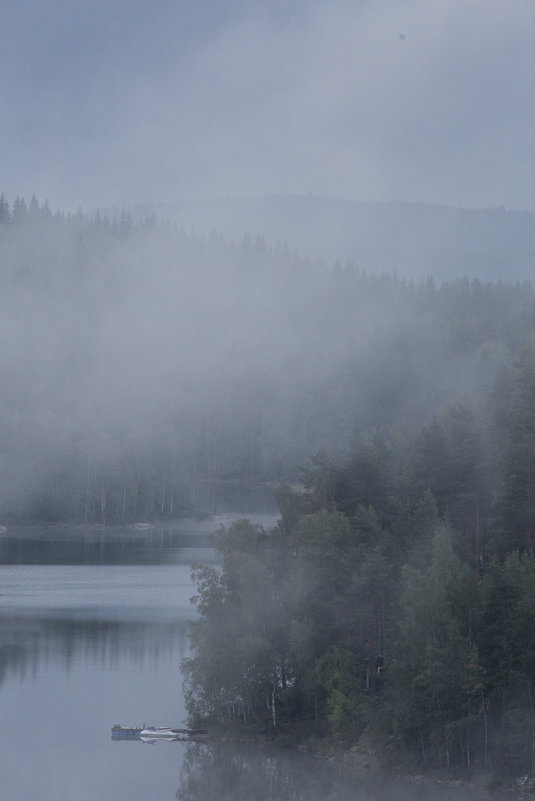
x: 5, y: 215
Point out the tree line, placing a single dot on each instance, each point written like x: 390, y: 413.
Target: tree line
x: 394, y: 600
x: 139, y: 359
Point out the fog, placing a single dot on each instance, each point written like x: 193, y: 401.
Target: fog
x: 122, y: 102
x: 139, y: 359
x: 241, y: 238
x: 412, y: 240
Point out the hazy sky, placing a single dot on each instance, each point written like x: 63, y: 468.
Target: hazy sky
x: 119, y: 101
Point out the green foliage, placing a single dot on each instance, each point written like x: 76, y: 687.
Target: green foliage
x: 399, y: 618
x: 347, y: 709
x: 514, y: 405
x: 432, y: 650
x: 398, y: 590
x: 241, y: 664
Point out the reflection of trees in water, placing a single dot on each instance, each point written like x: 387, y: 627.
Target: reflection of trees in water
x: 244, y: 772
x: 29, y: 645
x: 101, y: 547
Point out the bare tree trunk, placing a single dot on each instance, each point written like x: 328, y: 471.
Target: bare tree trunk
x: 486, y: 731
x: 136, y: 494
x: 103, y: 494
x: 478, y: 537
x: 123, y: 504
x: 532, y: 731
x: 468, y: 729
x: 86, y: 512
x: 103, y: 502
x: 468, y: 759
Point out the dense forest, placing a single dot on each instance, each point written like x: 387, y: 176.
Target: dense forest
x: 411, y: 238
x: 395, y: 600
x: 140, y: 359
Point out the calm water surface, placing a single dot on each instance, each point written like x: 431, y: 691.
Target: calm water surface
x: 92, y: 631
x: 93, y: 627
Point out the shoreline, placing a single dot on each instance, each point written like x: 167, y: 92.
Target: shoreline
x: 365, y: 763
x: 138, y: 530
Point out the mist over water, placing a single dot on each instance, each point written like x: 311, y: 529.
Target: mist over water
x: 76, y: 659
x: 83, y: 647
x: 248, y: 248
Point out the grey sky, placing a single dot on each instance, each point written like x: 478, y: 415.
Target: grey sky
x: 130, y: 100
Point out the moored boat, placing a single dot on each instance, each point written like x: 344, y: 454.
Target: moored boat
x: 165, y: 732
x: 119, y: 732
x: 153, y: 733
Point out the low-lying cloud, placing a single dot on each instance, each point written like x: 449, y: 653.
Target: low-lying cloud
x: 111, y: 103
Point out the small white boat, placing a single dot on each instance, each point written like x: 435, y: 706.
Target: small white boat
x: 159, y: 733
x: 151, y: 734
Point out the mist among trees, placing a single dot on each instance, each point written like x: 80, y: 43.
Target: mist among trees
x: 140, y: 358
x: 395, y: 596
x: 393, y: 600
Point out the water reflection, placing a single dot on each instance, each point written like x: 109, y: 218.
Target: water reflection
x: 241, y: 772
x: 82, y: 647
x: 136, y: 544
x: 101, y: 547
x: 92, y: 632
x: 31, y: 645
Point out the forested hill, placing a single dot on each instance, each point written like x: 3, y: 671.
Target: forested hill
x: 412, y: 239
x: 393, y: 606
x: 138, y: 359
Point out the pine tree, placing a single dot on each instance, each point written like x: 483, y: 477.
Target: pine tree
x: 4, y: 210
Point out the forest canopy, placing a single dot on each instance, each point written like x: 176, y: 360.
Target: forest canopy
x: 141, y: 359
x: 395, y: 599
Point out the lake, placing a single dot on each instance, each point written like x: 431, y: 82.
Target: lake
x: 93, y: 627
